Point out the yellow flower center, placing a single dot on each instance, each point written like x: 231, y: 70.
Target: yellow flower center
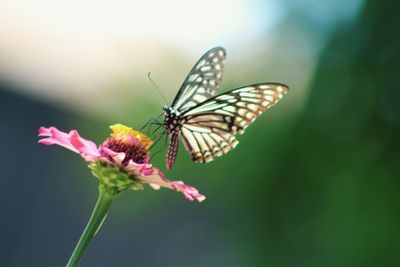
x: 128, y: 136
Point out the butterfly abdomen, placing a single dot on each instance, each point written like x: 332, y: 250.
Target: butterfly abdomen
x: 172, y: 149
x: 172, y: 124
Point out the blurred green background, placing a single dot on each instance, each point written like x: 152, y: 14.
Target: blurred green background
x: 314, y: 182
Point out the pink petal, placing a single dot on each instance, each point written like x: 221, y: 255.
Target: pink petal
x: 157, y: 179
x: 155, y: 186
x: 72, y: 141
x: 117, y: 157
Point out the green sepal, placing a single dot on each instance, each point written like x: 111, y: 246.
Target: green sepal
x: 113, y: 179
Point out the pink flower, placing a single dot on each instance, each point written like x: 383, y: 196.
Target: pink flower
x: 121, y: 162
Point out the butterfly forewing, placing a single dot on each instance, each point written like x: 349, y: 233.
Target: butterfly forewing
x: 209, y: 128
x: 202, y: 81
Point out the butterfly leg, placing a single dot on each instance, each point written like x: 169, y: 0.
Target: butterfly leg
x: 152, y: 121
x: 158, y: 139
x: 149, y: 124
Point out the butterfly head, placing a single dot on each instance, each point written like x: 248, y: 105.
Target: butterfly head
x: 172, y: 120
x: 166, y: 110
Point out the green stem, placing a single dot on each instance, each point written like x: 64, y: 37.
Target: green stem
x: 98, y: 215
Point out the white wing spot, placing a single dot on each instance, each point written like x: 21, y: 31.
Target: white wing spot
x: 264, y: 103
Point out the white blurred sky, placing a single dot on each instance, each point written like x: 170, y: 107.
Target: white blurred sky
x: 69, y: 52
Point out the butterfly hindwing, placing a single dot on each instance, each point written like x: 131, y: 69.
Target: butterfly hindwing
x: 204, y: 145
x: 202, y: 81
x: 209, y: 128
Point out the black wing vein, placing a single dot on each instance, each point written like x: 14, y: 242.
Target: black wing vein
x: 209, y: 128
x: 202, y: 81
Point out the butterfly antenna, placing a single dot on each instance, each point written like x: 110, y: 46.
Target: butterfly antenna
x: 158, y: 89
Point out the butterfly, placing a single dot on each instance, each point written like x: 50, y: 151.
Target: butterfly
x: 208, y: 123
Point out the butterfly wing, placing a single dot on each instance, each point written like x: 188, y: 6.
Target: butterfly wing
x: 209, y: 129
x: 202, y: 81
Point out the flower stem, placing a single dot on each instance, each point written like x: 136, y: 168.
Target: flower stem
x: 98, y: 215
